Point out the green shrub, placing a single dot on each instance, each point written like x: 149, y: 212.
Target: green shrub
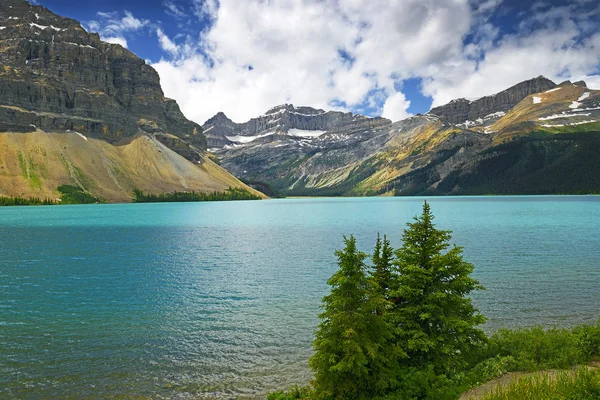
x: 588, y: 339
x: 76, y: 195
x: 423, y: 384
x: 489, y: 369
x: 583, y: 384
x: 535, y: 348
x: 295, y: 393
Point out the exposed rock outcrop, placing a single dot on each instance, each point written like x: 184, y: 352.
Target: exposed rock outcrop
x: 75, y: 110
x: 281, y: 122
x: 461, y: 110
x: 56, y: 76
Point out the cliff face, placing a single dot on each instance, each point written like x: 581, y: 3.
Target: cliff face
x: 55, y: 76
x: 75, y: 110
x: 286, y: 121
x: 461, y: 110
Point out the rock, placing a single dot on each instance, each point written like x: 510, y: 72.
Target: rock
x: 462, y: 110
x: 58, y: 77
x: 278, y: 123
x: 423, y: 154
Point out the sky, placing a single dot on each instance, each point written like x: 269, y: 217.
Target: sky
x: 390, y: 58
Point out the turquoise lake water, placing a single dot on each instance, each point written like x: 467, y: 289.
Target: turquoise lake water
x: 220, y: 300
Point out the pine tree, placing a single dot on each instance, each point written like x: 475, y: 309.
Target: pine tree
x: 434, y: 320
x: 382, y: 258
x: 351, y: 360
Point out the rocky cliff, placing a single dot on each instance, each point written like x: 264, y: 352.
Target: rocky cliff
x: 79, y: 111
x: 57, y: 77
x: 461, y: 110
x: 286, y: 121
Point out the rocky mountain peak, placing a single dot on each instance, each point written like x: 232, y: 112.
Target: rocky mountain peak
x: 283, y: 122
x: 290, y: 108
x: 219, y: 118
x: 460, y: 111
x: 581, y: 84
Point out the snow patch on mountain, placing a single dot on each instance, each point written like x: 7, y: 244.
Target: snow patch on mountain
x: 537, y: 100
x: 575, y: 104
x: 570, y: 124
x: 305, y: 133
x: 584, y: 96
x: 498, y: 114
x: 557, y: 116
x: 247, y: 139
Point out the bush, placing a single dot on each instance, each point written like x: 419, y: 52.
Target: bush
x: 75, y: 195
x: 535, y: 348
x: 295, y: 393
x: 423, y: 383
x: 588, y: 339
x: 583, y: 384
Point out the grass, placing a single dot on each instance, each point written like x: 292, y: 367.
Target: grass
x: 581, y: 384
x: 295, y: 393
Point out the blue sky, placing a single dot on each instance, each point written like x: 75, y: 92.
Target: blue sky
x: 245, y: 56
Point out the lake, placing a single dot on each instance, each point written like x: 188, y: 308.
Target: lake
x: 220, y: 299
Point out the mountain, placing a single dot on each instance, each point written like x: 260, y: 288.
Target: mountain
x: 76, y: 110
x: 462, y: 110
x: 534, y: 137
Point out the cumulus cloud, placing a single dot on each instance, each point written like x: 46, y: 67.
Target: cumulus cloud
x: 554, y: 41
x: 395, y: 107
x: 354, y: 54
x: 113, y: 26
x: 116, y: 40
x: 341, y: 54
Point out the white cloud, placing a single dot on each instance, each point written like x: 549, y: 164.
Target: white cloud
x: 593, y: 82
x: 173, y: 9
x: 353, y: 54
x: 554, y: 42
x: 116, y: 40
x: 165, y: 43
x: 395, y: 107
x: 113, y: 27
x: 257, y: 54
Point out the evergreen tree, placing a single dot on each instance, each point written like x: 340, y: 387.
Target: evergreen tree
x: 352, y: 359
x: 434, y: 320
x: 382, y: 258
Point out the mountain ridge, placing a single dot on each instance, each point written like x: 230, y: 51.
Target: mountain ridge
x: 374, y: 160
x: 55, y: 77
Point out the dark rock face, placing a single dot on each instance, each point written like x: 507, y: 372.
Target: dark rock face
x: 292, y: 147
x: 278, y: 121
x: 461, y: 110
x: 56, y: 76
